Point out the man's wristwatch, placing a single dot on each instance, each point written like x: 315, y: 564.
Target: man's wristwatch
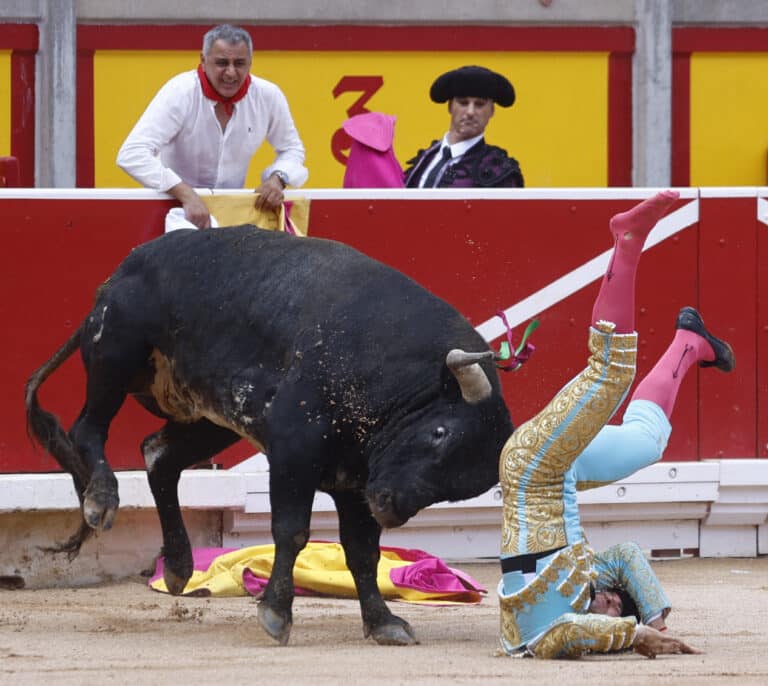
x: 282, y: 176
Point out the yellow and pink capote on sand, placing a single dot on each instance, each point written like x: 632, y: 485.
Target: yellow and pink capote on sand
x: 403, y: 574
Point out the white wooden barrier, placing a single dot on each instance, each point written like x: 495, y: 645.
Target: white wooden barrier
x: 712, y: 508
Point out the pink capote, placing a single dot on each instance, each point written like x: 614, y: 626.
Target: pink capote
x: 372, y: 162
x: 403, y: 574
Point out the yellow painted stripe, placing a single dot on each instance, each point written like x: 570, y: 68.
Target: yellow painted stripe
x: 5, y: 103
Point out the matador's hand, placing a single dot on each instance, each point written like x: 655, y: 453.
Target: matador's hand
x: 651, y: 643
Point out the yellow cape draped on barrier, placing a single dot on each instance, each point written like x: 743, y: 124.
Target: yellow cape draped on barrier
x: 320, y: 569
x: 232, y: 210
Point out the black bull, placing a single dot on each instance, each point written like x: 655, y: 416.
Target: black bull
x: 351, y: 377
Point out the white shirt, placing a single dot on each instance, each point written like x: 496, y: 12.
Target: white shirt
x: 178, y: 138
x: 457, y: 152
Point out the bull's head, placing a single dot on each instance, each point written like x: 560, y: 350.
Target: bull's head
x: 445, y: 449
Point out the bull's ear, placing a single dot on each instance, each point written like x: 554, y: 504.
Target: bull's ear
x: 472, y: 379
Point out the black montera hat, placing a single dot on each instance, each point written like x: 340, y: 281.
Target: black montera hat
x: 477, y: 82
x: 628, y: 605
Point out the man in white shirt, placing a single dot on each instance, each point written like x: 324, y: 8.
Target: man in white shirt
x: 204, y: 126
x: 462, y: 159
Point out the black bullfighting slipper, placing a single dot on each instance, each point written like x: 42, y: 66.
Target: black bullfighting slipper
x: 690, y: 320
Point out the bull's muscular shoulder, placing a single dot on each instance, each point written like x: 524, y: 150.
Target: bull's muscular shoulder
x: 227, y: 263
x: 224, y: 279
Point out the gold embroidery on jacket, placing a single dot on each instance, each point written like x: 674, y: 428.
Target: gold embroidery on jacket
x: 575, y: 635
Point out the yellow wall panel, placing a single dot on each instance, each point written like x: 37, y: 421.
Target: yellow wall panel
x: 557, y: 129
x: 729, y: 111
x: 124, y: 81
x: 5, y: 103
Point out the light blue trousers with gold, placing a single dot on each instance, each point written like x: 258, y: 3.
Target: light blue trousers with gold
x: 539, y: 454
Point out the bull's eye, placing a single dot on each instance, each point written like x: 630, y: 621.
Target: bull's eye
x: 439, y: 433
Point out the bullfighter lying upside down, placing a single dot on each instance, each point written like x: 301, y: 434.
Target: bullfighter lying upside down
x: 554, y: 589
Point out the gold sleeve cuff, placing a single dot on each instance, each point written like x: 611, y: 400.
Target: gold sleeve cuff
x: 576, y: 635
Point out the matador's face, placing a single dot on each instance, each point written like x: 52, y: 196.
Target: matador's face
x: 469, y: 117
x: 606, y: 603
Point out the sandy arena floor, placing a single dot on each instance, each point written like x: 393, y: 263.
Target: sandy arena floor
x: 127, y: 634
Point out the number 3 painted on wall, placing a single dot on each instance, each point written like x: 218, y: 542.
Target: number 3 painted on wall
x: 367, y: 85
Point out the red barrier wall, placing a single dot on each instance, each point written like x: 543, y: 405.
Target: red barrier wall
x: 22, y: 41
x: 481, y: 254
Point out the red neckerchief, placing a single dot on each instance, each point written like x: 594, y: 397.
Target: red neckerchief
x: 212, y: 94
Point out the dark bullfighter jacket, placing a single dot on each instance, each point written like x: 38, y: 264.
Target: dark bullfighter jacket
x: 482, y: 166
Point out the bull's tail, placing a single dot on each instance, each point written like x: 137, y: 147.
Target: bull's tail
x: 45, y: 428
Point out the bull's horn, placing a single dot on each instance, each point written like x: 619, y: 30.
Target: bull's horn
x: 472, y: 380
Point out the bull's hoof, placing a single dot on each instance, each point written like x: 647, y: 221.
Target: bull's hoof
x: 175, y: 583
x: 97, y: 517
x: 275, y: 625
x: 395, y: 633
x: 99, y: 507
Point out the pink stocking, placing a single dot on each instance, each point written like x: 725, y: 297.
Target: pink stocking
x: 616, y: 299
x: 663, y: 381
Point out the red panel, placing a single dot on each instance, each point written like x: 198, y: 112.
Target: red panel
x: 481, y: 256
x: 620, y: 119
x: 727, y: 297
x: 55, y: 254
x: 18, y: 37
x: 85, y: 120
x: 356, y: 37
x: 9, y: 172
x: 667, y: 281
x: 720, y: 39
x: 762, y: 336
x: 681, y: 119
